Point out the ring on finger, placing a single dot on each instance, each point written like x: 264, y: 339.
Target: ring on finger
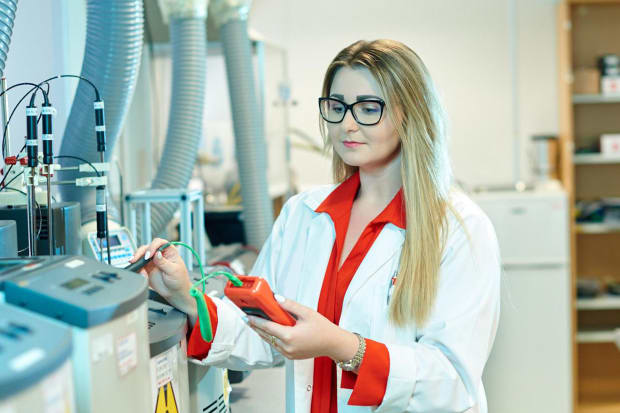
x: 273, y: 340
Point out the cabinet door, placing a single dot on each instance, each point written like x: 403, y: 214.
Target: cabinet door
x: 530, y: 228
x: 529, y: 369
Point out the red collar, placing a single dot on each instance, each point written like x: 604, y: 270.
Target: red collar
x: 339, y: 202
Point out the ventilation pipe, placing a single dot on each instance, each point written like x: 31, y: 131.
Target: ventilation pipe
x: 112, y: 55
x: 7, y: 17
x: 188, y: 36
x: 250, y: 146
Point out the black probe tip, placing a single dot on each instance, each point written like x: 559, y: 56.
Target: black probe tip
x: 138, y: 265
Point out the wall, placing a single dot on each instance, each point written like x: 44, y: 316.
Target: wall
x: 467, y: 48
x: 45, y: 44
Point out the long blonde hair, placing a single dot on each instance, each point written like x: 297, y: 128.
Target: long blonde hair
x: 413, y: 107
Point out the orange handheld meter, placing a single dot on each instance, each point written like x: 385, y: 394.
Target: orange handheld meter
x: 254, y: 297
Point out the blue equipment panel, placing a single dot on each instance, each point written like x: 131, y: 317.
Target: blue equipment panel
x: 76, y: 290
x: 30, y: 348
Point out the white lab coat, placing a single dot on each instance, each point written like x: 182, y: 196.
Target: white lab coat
x: 436, y: 368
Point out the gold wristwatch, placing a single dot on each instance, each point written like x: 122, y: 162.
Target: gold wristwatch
x: 355, y: 362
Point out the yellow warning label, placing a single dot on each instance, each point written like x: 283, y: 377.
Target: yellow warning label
x: 166, y: 402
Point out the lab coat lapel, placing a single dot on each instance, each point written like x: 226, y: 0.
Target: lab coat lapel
x: 318, y: 247
x: 385, y: 247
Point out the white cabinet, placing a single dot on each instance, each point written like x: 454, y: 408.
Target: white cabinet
x: 530, y: 367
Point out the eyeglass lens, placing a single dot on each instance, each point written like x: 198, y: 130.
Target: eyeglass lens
x: 365, y: 112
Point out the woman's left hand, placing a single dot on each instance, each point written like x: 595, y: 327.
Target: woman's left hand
x: 313, y: 335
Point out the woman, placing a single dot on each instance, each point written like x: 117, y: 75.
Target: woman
x: 392, y: 275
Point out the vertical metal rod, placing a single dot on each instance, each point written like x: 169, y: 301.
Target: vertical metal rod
x: 146, y: 222
x: 50, y: 226
x: 186, y: 229
x: 30, y: 211
x: 132, y: 222
x: 107, y: 216
x: 5, y: 115
x: 199, y: 227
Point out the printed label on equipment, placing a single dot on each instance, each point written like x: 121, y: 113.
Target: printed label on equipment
x: 100, y: 128
x: 100, y: 208
x: 164, y: 381
x: 102, y: 347
x: 163, y: 365
x: 166, y: 400
x: 32, y: 111
x: 74, y: 263
x: 47, y: 136
x: 57, y: 394
x: 31, y: 142
x: 98, y: 104
x: 48, y: 110
x: 126, y: 353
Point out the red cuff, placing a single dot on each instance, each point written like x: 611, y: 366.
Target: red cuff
x: 196, y: 346
x: 370, y: 382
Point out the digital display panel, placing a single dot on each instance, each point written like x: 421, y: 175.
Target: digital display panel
x: 114, y: 241
x: 74, y: 283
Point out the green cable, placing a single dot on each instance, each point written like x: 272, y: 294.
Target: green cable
x: 206, y: 330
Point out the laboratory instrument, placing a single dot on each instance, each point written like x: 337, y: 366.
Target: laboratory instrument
x: 254, y: 297
x: 107, y: 311
x: 35, y: 355
x: 8, y: 239
x: 168, y: 349
x: 66, y: 229
x: 122, y: 247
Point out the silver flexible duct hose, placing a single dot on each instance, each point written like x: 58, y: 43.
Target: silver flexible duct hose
x: 112, y: 55
x: 189, y: 64
x: 250, y: 145
x: 7, y: 17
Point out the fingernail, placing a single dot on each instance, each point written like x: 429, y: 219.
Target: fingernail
x: 279, y: 298
x: 158, y: 255
x: 147, y: 254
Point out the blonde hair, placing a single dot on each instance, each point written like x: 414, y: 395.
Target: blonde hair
x: 413, y: 107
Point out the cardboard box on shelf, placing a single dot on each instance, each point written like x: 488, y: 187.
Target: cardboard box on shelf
x: 610, y: 85
x: 610, y: 144
x: 587, y: 80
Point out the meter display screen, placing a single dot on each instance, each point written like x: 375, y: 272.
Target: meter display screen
x: 74, y: 283
x: 114, y: 241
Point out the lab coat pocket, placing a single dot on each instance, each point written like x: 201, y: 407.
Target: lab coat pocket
x: 382, y: 329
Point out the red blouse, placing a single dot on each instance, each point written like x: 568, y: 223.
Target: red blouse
x: 370, y: 383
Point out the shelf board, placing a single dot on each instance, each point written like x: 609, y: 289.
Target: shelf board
x: 598, y: 228
x: 597, y: 98
x: 604, y: 302
x: 598, y: 407
x: 594, y: 159
x: 596, y: 336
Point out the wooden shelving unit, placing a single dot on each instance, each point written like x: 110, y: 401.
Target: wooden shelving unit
x: 595, y: 99
x: 588, y: 29
x: 595, y: 159
x: 604, y: 302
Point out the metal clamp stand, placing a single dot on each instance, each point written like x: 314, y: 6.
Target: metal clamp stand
x: 31, y: 180
x: 186, y: 199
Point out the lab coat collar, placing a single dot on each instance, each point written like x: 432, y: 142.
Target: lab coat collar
x: 321, y: 231
x: 336, y: 200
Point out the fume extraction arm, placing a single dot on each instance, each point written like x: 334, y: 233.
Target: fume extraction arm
x: 112, y: 56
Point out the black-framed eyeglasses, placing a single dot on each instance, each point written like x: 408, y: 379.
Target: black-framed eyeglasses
x: 366, y: 112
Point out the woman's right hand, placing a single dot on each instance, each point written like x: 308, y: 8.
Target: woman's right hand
x: 168, y: 275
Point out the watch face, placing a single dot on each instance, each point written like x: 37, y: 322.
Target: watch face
x: 346, y: 366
